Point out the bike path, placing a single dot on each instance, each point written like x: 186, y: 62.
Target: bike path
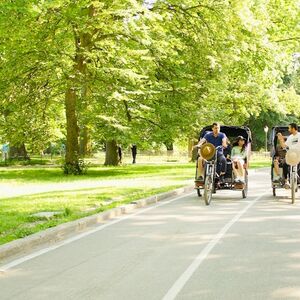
x: 259, y: 258
x: 239, y: 243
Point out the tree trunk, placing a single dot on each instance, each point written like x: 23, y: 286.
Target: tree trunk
x: 170, y: 150
x: 71, y: 97
x: 192, y: 153
x: 111, y: 154
x: 72, y: 148
x: 85, y: 142
x: 18, y: 152
x: 169, y: 146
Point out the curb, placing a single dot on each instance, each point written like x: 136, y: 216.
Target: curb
x: 56, y: 234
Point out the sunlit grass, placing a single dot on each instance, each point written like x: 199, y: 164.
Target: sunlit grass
x: 55, y: 174
x: 16, y: 213
x: 16, y: 218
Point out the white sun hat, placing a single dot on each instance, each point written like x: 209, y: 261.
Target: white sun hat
x: 293, y: 157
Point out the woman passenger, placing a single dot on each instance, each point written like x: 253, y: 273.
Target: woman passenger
x: 239, y: 156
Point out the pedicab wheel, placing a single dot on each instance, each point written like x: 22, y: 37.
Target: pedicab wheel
x: 213, y: 189
x: 293, y: 186
x: 274, y: 192
x: 199, y: 192
x: 245, y: 189
x: 208, y: 187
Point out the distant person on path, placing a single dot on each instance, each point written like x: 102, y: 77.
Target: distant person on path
x: 52, y: 149
x: 63, y: 150
x: 133, y: 152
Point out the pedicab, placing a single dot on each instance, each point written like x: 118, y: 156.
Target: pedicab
x: 212, y: 181
x: 285, y: 164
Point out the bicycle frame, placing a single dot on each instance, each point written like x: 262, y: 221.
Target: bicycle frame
x: 210, y: 175
x: 209, y: 183
x: 210, y: 169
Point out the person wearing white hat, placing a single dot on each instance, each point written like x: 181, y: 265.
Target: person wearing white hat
x: 293, y: 144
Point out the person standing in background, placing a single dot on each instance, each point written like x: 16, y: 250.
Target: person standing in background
x: 133, y: 152
x: 120, y: 154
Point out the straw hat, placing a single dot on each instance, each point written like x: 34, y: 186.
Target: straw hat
x: 292, y: 157
x: 208, y: 151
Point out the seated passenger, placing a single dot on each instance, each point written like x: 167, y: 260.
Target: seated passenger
x: 279, y: 161
x: 239, y: 156
x: 227, y: 150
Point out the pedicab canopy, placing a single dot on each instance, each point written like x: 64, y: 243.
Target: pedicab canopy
x: 231, y: 132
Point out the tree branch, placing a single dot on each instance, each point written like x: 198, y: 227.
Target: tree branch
x: 150, y: 121
x: 288, y: 39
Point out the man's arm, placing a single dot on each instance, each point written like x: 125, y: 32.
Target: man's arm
x: 224, y: 142
x: 281, y: 140
x: 201, y: 142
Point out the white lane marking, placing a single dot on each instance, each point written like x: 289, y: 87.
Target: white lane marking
x: 21, y: 260
x: 188, y: 273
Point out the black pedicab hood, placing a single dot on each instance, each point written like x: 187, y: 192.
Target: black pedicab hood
x: 230, y: 131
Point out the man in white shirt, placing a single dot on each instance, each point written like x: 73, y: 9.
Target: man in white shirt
x: 292, y: 142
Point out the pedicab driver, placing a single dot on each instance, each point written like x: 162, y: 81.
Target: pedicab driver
x: 292, y: 142
x: 216, y: 138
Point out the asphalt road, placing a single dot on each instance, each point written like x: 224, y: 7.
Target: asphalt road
x: 179, y: 249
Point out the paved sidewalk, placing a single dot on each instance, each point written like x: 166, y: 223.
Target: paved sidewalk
x: 9, y: 190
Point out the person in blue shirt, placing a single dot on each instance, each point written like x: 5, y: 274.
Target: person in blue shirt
x: 5, y: 151
x: 216, y: 138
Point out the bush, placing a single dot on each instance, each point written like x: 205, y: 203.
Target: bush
x: 77, y: 168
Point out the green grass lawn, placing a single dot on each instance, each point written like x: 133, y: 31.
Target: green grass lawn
x: 79, y: 196
x: 16, y: 218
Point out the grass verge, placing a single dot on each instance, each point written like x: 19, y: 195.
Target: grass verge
x: 74, y: 197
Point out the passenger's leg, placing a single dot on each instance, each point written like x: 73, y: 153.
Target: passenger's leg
x: 241, y: 169
x: 235, y: 168
x: 238, y: 169
x: 200, y: 168
x: 286, y: 171
x: 276, y: 169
